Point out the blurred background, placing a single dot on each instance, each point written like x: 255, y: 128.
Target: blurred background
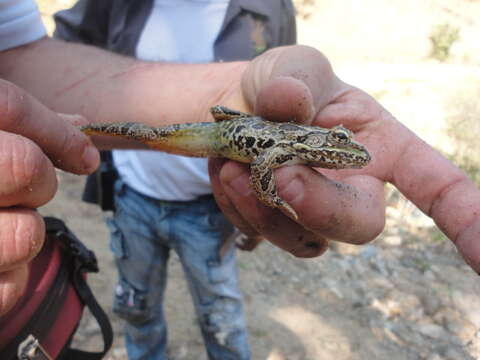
x: 407, y: 295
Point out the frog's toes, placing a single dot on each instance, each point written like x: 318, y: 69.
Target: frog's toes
x: 283, y: 205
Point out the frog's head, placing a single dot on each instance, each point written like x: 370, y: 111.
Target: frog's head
x: 334, y: 149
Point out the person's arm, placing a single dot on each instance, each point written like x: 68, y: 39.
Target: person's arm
x: 105, y: 87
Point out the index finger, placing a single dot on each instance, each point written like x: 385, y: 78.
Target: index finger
x: 433, y: 183
x: 66, y: 146
x: 443, y: 192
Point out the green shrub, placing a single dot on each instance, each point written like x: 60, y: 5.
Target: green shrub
x: 442, y: 38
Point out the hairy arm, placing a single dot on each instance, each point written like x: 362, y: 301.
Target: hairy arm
x: 105, y: 87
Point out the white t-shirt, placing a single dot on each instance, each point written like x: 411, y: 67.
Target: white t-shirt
x: 20, y: 23
x: 180, y: 31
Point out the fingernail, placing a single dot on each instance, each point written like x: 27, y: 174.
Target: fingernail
x: 293, y: 191
x: 241, y: 185
x: 91, y: 158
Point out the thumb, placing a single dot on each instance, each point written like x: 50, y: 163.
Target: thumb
x: 290, y: 83
x: 66, y: 146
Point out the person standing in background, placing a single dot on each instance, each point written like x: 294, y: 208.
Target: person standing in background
x: 164, y: 202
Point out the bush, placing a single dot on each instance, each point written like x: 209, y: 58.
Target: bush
x: 442, y: 38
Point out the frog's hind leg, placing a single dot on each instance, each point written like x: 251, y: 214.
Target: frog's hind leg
x: 221, y: 113
x: 263, y: 180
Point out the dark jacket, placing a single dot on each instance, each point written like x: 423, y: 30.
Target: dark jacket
x: 250, y: 27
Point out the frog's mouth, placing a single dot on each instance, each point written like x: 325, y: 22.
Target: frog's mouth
x: 341, y: 158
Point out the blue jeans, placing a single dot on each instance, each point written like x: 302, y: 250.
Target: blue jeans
x: 143, y: 231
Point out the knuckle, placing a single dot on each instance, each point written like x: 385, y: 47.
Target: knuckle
x: 28, y: 177
x: 22, y: 232
x: 24, y: 163
x: 13, y: 105
x: 31, y: 165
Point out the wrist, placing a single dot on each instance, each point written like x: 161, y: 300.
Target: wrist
x: 163, y: 93
x: 223, y: 87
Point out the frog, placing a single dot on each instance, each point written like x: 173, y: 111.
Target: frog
x: 250, y: 139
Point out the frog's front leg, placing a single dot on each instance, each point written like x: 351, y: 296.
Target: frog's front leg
x: 263, y: 181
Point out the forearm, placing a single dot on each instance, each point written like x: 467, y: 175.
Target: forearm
x: 105, y: 87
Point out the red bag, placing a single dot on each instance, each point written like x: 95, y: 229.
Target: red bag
x: 42, y: 324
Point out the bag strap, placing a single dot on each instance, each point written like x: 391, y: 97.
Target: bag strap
x: 84, y: 261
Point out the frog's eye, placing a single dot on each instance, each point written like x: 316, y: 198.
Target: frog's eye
x: 341, y: 135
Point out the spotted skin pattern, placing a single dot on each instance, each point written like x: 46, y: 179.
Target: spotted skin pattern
x: 249, y: 139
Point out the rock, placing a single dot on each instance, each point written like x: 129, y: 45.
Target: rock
x: 429, y: 275
x: 391, y: 223
x: 433, y: 331
x: 119, y: 353
x: 454, y: 353
x: 178, y: 353
x: 389, y: 308
x: 344, y: 262
x: 368, y: 252
x: 406, y: 334
x: 379, y: 265
x: 392, y: 212
x: 417, y: 262
x: 392, y: 337
x: 435, y: 357
x: 469, y: 305
x: 359, y: 267
x: 393, y: 240
x: 382, y: 282
x: 431, y: 304
x: 358, y: 296
x: 276, y: 354
x: 92, y: 328
x: 343, y: 248
x: 408, y: 306
x: 462, y: 329
x: 333, y: 287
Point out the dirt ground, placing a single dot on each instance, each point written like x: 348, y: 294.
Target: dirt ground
x: 407, y: 295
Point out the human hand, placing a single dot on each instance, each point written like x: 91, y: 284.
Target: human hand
x: 33, y: 140
x: 348, y: 205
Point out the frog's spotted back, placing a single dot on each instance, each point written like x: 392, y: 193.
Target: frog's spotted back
x: 250, y: 139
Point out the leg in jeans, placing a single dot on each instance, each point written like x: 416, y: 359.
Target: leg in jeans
x: 141, y: 260
x: 199, y: 232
